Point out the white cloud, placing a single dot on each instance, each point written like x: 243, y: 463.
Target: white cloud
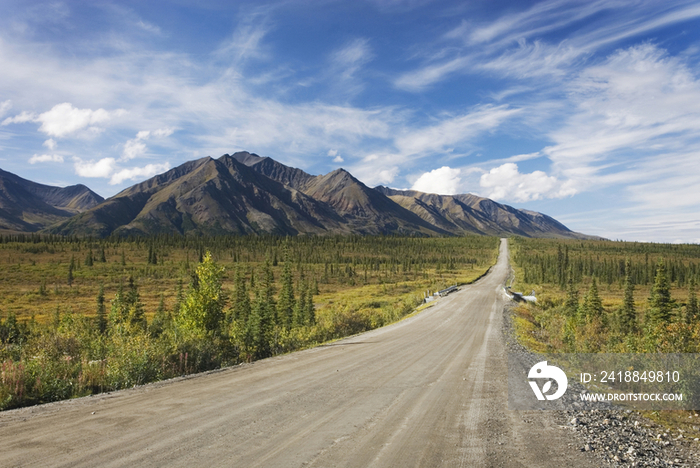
x: 45, y: 158
x: 505, y: 182
x: 50, y: 144
x: 637, y: 107
x: 443, y: 181
x: 64, y: 119
x: 133, y: 149
x: 138, y: 173
x: 162, y: 132
x: 336, y: 157
x: 381, y: 173
x: 102, y: 168
x: 23, y: 117
x: 5, y: 106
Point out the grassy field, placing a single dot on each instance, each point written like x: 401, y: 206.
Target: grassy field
x: 34, y: 280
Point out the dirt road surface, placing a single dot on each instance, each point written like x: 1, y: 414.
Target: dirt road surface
x: 428, y: 391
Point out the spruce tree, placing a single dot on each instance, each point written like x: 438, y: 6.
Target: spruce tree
x: 300, y: 309
x: 572, y: 303
x: 89, y: 259
x: 262, y: 316
x: 310, y: 315
x: 101, y: 319
x: 691, y: 308
x: 285, y: 303
x: 628, y: 314
x: 70, y: 273
x: 161, y: 319
x: 241, y: 301
x: 592, y: 306
x: 127, y: 312
x: 103, y: 259
x: 660, y: 302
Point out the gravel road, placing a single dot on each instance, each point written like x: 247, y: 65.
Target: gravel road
x: 428, y: 391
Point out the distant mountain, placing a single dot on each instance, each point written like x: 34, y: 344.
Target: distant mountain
x: 248, y: 194
x: 206, y: 196
x: 467, y: 213
x: 363, y: 210
x: 28, y: 206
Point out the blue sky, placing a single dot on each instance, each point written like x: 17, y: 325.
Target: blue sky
x: 588, y: 111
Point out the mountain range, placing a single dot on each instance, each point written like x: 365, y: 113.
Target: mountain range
x: 244, y: 193
x: 26, y: 206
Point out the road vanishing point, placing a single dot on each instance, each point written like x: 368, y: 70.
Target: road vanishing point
x: 428, y: 391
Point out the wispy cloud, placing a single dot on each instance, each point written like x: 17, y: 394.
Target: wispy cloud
x: 136, y: 147
x: 45, y: 158
x: 5, y: 107
x: 524, y: 44
x: 453, y: 130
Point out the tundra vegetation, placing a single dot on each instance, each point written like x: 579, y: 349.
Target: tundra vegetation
x: 82, y: 316
x: 602, y: 296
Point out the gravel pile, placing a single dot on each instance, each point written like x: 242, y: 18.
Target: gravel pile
x: 617, y: 437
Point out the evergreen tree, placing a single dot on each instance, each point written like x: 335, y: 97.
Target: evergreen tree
x: 691, y: 308
x: 127, y: 310
x: 628, y: 314
x: 300, y: 308
x: 660, y: 302
x: 103, y: 258
x: 161, y: 320
x: 240, y: 310
x: 89, y: 259
x: 262, y: 316
x: 285, y: 303
x: 70, y: 273
x: 152, y: 257
x: 592, y: 306
x: 101, y: 319
x: 123, y: 259
x: 572, y: 303
x: 310, y: 315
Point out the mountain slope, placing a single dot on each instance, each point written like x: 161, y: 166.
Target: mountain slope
x: 206, y: 196
x: 364, y: 210
x: 28, y: 206
x: 469, y: 213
